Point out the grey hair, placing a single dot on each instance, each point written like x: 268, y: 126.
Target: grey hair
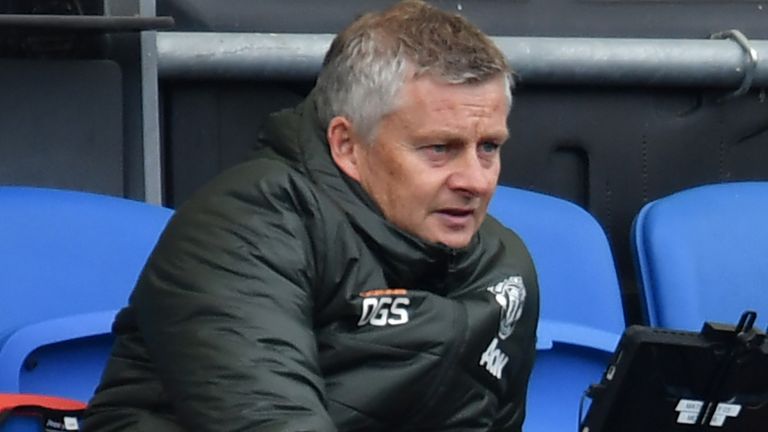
x: 368, y: 63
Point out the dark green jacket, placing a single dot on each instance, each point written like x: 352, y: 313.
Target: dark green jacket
x: 279, y: 299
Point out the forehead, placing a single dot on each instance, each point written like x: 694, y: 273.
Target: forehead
x: 425, y: 101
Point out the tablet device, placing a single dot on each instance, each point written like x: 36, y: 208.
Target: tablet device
x: 661, y: 380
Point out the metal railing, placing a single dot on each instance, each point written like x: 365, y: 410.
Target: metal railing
x: 537, y: 60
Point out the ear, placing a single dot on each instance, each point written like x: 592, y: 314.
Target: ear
x: 344, y: 144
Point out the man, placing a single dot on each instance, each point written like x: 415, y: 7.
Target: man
x: 346, y: 279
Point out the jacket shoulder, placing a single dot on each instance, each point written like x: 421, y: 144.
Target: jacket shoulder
x: 514, y: 251
x: 492, y: 228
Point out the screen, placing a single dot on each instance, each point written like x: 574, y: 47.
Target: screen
x: 675, y: 381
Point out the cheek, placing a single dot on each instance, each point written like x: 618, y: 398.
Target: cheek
x: 411, y: 193
x: 430, y: 192
x: 387, y: 182
x: 406, y: 187
x: 493, y: 176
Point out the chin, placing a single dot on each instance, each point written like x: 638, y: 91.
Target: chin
x: 452, y: 238
x: 456, y: 242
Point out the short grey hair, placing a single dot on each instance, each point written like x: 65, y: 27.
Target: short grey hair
x: 368, y: 62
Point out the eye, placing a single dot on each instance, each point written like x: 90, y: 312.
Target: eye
x: 438, y: 148
x: 437, y: 153
x: 489, y: 147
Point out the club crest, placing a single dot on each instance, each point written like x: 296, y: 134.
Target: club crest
x: 510, y: 294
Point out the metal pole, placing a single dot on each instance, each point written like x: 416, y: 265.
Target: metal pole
x: 656, y: 62
x: 257, y: 56
x: 150, y: 110
x: 538, y: 61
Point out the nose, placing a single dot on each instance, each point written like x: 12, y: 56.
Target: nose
x: 473, y: 177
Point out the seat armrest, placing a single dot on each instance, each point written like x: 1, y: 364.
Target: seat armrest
x: 550, y: 332
x: 18, y: 344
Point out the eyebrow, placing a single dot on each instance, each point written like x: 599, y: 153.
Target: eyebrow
x: 447, y: 135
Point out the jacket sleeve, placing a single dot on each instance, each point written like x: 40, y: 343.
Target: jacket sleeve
x: 513, y: 413
x: 225, y: 307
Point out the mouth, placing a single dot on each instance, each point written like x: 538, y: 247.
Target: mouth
x: 456, y: 218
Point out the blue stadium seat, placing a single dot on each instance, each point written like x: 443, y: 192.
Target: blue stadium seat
x: 582, y: 316
x: 68, y: 261
x: 702, y: 255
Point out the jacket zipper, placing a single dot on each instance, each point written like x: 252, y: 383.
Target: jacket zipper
x: 452, y: 357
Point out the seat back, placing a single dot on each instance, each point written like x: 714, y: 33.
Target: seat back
x: 68, y: 261
x: 581, y: 310
x: 702, y: 255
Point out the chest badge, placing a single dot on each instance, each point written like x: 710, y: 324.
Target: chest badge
x: 384, y: 307
x: 510, y: 295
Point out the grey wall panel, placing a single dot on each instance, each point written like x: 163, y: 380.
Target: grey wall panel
x: 210, y: 127
x: 61, y: 124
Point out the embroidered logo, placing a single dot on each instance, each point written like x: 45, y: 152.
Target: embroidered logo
x: 384, y: 307
x: 494, y: 359
x: 510, y: 294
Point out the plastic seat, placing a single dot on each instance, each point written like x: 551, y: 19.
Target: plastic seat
x: 68, y: 261
x: 702, y: 255
x: 581, y: 317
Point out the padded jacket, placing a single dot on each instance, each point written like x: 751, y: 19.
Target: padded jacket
x: 279, y: 299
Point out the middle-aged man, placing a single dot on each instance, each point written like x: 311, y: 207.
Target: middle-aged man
x: 347, y: 278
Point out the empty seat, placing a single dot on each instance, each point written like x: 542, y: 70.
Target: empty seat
x: 582, y: 316
x: 68, y: 261
x: 702, y: 255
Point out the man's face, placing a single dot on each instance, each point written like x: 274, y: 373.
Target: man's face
x: 434, y: 162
